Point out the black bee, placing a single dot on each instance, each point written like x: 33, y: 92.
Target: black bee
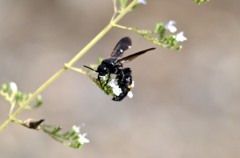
x: 114, y: 65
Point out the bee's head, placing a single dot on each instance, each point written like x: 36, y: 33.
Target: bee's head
x: 102, y: 70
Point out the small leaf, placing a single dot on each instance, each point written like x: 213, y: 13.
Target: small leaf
x: 55, y: 130
x: 123, y: 4
x: 200, y: 1
x: 160, y: 29
x: 75, y: 144
x: 6, y: 88
x: 38, y: 102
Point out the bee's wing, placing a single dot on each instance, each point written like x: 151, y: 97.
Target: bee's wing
x: 133, y: 56
x: 124, y: 44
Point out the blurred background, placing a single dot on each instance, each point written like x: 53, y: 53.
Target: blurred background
x: 185, y: 104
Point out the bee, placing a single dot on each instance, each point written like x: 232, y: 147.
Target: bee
x: 114, y: 65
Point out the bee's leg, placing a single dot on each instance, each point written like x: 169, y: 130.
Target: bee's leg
x: 99, y: 80
x: 108, y: 78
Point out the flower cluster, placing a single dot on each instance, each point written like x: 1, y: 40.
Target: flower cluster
x: 115, y: 87
x: 81, y: 137
x: 170, y: 26
x: 72, y: 138
x: 16, y: 98
x: 117, y: 90
x: 162, y: 35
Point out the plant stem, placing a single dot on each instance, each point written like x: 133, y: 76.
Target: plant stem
x: 70, y: 63
x: 124, y: 27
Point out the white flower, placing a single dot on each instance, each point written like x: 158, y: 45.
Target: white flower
x: 170, y: 26
x: 130, y: 94
x: 82, y: 138
x: 115, y: 88
x: 117, y: 91
x: 13, y: 87
x: 180, y: 37
x: 112, y: 83
x: 76, y: 129
x: 142, y: 2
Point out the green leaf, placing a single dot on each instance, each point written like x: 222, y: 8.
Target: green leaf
x: 123, y: 4
x: 6, y: 88
x: 39, y: 101
x: 200, y: 1
x: 160, y: 29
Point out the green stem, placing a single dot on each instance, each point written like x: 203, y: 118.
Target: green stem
x: 70, y: 63
x: 123, y: 27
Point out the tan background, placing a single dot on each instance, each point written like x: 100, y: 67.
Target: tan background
x: 185, y: 105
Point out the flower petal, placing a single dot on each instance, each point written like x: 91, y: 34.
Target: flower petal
x: 130, y: 94
x: 142, y: 2
x: 82, y: 138
x: 170, y: 26
x: 76, y: 129
x: 115, y: 88
x: 13, y: 86
x: 180, y: 37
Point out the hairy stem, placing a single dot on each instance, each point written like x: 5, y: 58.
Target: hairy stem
x: 69, y: 64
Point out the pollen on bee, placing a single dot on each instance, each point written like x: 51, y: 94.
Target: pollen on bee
x: 130, y: 86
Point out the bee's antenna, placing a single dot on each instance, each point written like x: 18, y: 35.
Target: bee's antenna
x: 89, y: 68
